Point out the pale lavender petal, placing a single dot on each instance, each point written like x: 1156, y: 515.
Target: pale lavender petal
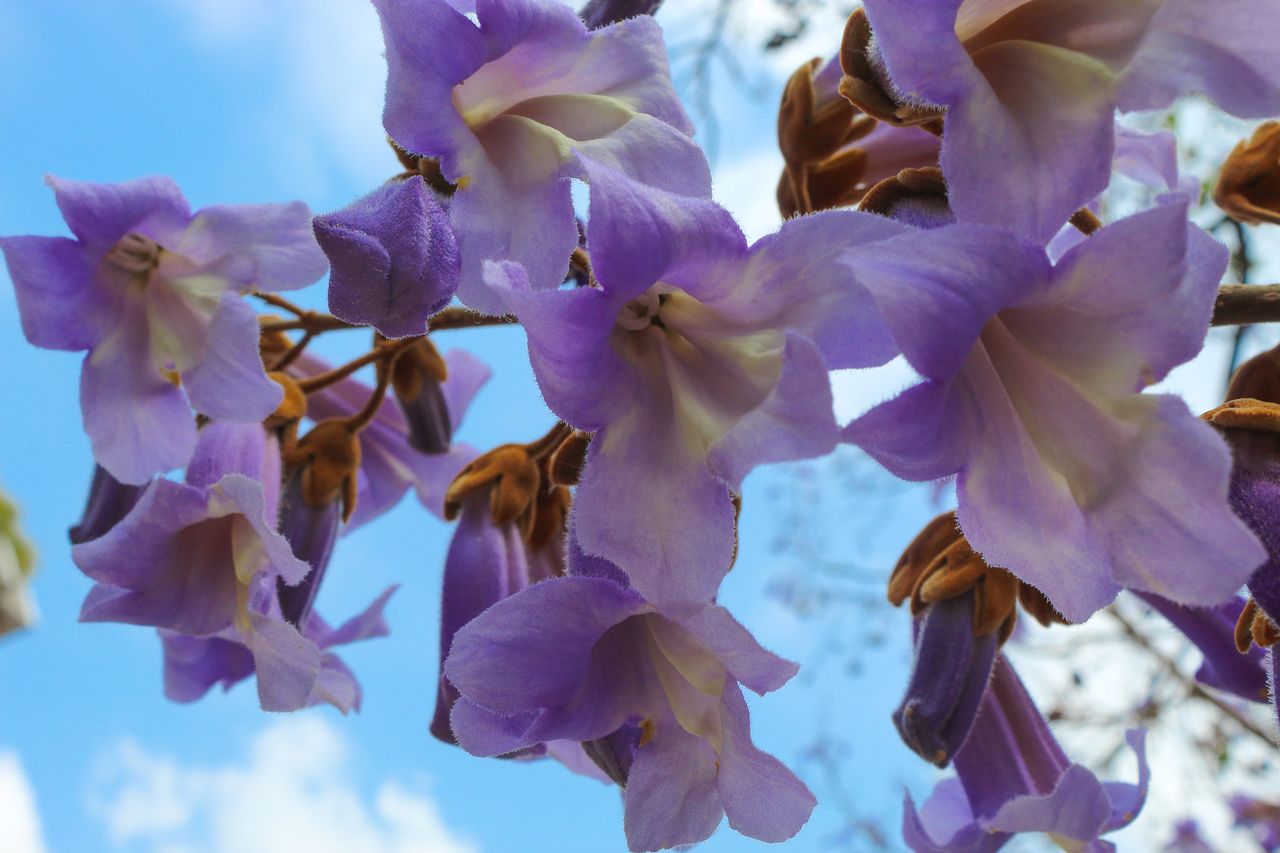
x: 800, y: 282
x: 762, y: 798
x: 138, y: 421
x: 287, y: 664
x: 683, y: 567
x: 1212, y: 631
x: 60, y: 301
x: 672, y: 797
x: 796, y: 420
x: 1122, y: 339
x: 228, y: 448
x: 582, y: 377
x: 229, y: 382
x: 1039, y: 104
x: 337, y: 685
x: 1077, y: 809
x: 1150, y: 158
x: 936, y: 293
x: 467, y: 375
x: 922, y: 434
x: 367, y: 624
x: 545, y: 634
x: 245, y: 496
x: 1126, y: 799
x: 394, y: 257
x: 922, y: 54
x: 100, y: 214
x: 192, y: 665
x: 945, y: 823
x: 1222, y: 48
x: 638, y: 234
x: 746, y: 660
x: 534, y: 225
x: 265, y: 246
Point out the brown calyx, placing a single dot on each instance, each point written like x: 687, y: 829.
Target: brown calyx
x: 822, y: 168
x: 415, y: 366
x: 922, y: 188
x: 1254, y: 626
x: 1248, y: 187
x: 427, y: 167
x: 522, y: 485
x: 329, y: 456
x: 565, y: 463
x: 939, y: 564
x: 866, y: 86
x: 293, y: 406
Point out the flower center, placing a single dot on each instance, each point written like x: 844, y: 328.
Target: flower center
x: 134, y: 254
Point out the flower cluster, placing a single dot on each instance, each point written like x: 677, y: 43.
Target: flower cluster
x: 580, y: 615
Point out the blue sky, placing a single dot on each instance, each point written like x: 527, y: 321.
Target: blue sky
x: 243, y: 102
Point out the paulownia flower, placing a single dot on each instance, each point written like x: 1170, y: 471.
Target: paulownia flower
x: 1013, y: 777
x: 197, y: 557
x: 1067, y: 476
x: 154, y: 294
x: 695, y: 359
x: 586, y: 658
x: 1031, y: 87
x: 515, y: 106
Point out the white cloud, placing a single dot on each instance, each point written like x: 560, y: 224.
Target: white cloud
x: 295, y: 791
x: 19, y: 819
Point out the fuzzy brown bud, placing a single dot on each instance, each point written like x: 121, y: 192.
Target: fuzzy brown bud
x: 329, y: 458
x: 1248, y: 187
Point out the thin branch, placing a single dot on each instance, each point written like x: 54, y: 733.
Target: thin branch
x: 465, y: 318
x: 1192, y: 688
x: 1241, y: 304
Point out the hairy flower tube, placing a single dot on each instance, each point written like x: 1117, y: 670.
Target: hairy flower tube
x: 516, y: 106
x: 695, y: 359
x: 1030, y: 87
x: 153, y: 293
x: 585, y: 658
x: 1013, y: 777
x: 202, y: 557
x: 1067, y: 476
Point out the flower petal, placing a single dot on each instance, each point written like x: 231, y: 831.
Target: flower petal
x: 100, y: 214
x: 229, y: 382
x: 60, y: 301
x: 671, y: 796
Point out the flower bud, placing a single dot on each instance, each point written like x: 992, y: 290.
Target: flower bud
x: 866, y: 82
x: 416, y: 379
x: 512, y: 478
x: 1248, y: 187
x: 917, y: 197
x: 327, y: 459
x: 311, y: 532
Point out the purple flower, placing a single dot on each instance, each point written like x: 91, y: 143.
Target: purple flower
x: 1012, y: 777
x: 1031, y: 88
x: 1261, y: 818
x: 389, y: 465
x: 518, y: 105
x: 1212, y: 630
x: 153, y: 293
x: 694, y: 360
x: 1030, y: 394
x: 393, y: 256
x: 198, y: 558
x: 487, y: 563
x: 1187, y: 839
x: 583, y: 658
x: 192, y: 665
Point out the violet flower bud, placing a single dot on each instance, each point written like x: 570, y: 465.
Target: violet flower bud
x: 311, y: 532
x: 602, y: 13
x: 949, y: 676
x: 417, y: 379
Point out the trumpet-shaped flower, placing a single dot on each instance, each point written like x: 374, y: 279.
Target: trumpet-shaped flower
x: 1013, y: 777
x: 695, y: 359
x: 154, y: 294
x: 515, y: 106
x: 196, y: 558
x: 1068, y: 477
x: 584, y: 657
x: 1031, y: 87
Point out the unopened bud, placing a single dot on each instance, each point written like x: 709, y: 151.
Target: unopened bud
x: 328, y: 458
x: 416, y: 379
x: 1248, y: 188
x: 512, y: 478
x: 109, y: 501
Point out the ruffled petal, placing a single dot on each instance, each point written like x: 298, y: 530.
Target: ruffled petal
x: 746, y: 660
x: 229, y: 381
x: 762, y: 798
x: 60, y: 301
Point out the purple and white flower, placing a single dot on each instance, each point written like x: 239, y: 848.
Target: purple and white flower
x: 515, y: 106
x: 153, y: 293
